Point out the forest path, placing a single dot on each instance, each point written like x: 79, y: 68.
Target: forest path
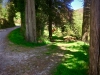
x: 17, y: 60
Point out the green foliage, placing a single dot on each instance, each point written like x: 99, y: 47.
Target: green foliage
x: 0, y: 1
x: 16, y: 37
x: 17, y: 19
x: 11, y: 9
x: 4, y: 23
x: 76, y: 28
x: 75, y: 60
x: 68, y: 30
x: 11, y: 13
x: 3, y: 18
x: 19, y: 5
x: 5, y: 11
x: 41, y: 19
x: 56, y: 37
x: 57, y: 31
x: 78, y: 18
x: 0, y: 10
x: 6, y: 15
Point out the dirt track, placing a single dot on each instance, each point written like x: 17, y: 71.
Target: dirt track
x: 16, y: 60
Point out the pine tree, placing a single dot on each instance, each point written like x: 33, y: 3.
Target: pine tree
x: 30, y: 21
x: 86, y: 21
x: 94, y: 52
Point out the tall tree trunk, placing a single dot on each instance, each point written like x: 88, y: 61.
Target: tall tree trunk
x: 86, y: 20
x: 30, y: 21
x: 50, y: 20
x: 50, y: 28
x: 94, y: 52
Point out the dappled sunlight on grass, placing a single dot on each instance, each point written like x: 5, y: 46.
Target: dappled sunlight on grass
x: 75, y: 61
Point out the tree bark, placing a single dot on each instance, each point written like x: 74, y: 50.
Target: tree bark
x: 50, y: 20
x: 50, y: 28
x: 30, y: 21
x: 94, y: 52
x: 86, y: 20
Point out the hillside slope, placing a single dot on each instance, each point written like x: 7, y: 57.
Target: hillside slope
x: 78, y: 18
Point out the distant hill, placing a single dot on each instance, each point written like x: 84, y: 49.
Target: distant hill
x: 79, y: 10
x: 78, y: 14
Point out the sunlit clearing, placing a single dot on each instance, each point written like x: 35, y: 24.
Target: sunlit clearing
x: 75, y: 61
x: 17, y: 19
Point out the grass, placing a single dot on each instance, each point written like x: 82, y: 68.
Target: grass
x: 16, y: 37
x: 75, y: 61
x: 57, y: 38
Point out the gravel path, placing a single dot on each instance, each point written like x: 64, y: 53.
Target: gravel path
x: 17, y: 60
x: 3, y: 44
